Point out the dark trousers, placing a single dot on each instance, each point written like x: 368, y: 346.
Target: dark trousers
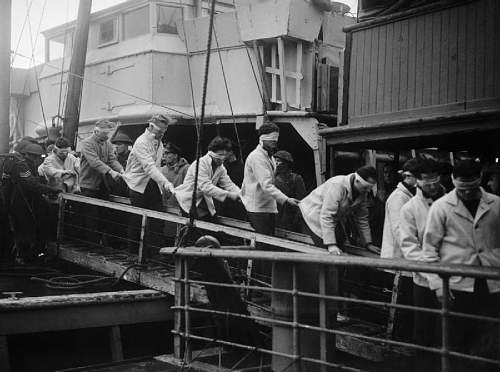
x: 93, y: 217
x: 426, y: 329
x: 473, y: 336
x: 263, y: 223
x: 153, y: 236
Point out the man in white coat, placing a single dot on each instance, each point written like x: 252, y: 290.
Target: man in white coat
x: 145, y: 180
x: 413, y: 217
x: 463, y: 228
x: 404, y: 191
x: 326, y: 207
x: 259, y: 194
x: 213, y: 181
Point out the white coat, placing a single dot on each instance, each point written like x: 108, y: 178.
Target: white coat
x: 453, y: 236
x: 413, y: 218
x: 211, y: 185
x: 329, y: 203
x: 258, y: 192
x: 390, y: 239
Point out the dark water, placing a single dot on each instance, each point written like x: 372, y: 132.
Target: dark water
x: 51, y: 351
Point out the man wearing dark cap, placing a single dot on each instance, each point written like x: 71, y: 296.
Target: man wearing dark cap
x: 22, y: 193
x: 122, y: 142
x: 292, y: 185
x: 463, y: 228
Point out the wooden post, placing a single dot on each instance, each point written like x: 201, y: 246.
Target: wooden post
x: 76, y: 72
x: 5, y: 24
x: 281, y: 58
x: 260, y: 66
x: 115, y: 339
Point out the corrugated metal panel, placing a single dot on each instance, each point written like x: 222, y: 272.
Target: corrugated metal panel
x: 444, y: 61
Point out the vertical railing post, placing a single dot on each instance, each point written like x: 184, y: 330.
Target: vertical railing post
x: 141, y: 238
x: 178, y: 302
x: 60, y: 222
x: 187, y: 320
x: 322, y: 316
x: 295, y: 305
x: 445, y: 325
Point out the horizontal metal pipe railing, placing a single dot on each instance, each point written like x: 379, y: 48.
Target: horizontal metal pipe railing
x: 445, y: 272
x: 267, y: 351
x: 327, y: 259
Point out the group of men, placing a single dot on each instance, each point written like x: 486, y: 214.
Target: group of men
x: 425, y: 223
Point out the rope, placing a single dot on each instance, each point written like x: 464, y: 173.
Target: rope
x: 189, y: 70
x: 62, y: 64
x: 253, y: 68
x: 33, y: 46
x: 192, y: 212
x: 228, y: 96
x: 21, y: 34
x: 71, y: 282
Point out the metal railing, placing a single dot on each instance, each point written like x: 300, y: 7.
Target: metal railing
x: 183, y: 308
x: 300, y: 253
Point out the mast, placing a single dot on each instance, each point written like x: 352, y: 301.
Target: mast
x: 76, y: 72
x: 5, y: 20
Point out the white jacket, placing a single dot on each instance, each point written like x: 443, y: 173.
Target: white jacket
x: 53, y: 168
x: 144, y: 163
x: 258, y: 192
x: 329, y: 203
x: 390, y: 239
x: 210, y: 185
x: 411, y: 231
x: 452, y: 236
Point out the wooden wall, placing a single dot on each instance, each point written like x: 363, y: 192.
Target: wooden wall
x: 443, y: 62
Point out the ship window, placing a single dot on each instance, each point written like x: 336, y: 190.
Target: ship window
x: 167, y: 16
x: 136, y: 22
x: 107, y: 32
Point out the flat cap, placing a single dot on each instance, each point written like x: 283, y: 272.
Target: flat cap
x: 33, y: 149
x: 284, y: 155
x: 121, y: 137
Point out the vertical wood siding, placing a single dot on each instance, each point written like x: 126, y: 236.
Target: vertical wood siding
x: 434, y: 64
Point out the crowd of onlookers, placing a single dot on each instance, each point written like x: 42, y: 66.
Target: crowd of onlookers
x: 435, y: 213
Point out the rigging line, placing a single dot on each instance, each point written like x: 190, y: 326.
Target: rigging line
x: 189, y: 68
x: 62, y: 64
x: 21, y: 34
x: 33, y: 46
x: 228, y: 95
x: 108, y: 87
x: 253, y: 68
x: 192, y: 212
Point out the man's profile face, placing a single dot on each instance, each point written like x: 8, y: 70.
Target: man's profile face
x: 270, y: 145
x: 363, y: 188
x: 63, y: 153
